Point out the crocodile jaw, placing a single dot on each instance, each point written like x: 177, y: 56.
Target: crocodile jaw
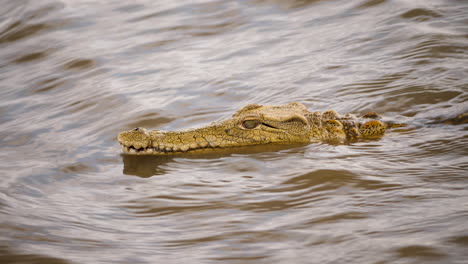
x: 141, y: 141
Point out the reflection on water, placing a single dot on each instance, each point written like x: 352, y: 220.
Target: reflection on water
x: 149, y: 165
x: 73, y: 74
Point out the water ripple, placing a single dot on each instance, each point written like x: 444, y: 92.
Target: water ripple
x: 74, y: 74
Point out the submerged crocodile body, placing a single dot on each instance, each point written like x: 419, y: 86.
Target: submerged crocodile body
x: 256, y: 124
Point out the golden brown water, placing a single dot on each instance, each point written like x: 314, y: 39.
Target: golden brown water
x: 75, y: 73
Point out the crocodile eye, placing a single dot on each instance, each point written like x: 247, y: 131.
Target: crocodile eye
x: 250, y: 124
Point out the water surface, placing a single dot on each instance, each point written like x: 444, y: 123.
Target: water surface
x: 73, y: 74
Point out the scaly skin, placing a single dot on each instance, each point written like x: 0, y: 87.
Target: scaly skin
x: 252, y: 125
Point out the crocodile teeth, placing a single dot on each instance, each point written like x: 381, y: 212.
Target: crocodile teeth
x: 184, y: 148
x: 162, y: 148
x: 193, y: 145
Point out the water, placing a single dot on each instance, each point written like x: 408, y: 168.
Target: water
x: 73, y: 74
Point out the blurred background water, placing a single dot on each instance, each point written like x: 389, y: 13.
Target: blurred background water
x: 75, y: 73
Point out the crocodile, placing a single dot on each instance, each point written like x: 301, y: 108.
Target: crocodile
x: 258, y: 124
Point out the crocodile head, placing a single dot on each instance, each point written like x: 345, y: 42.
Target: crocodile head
x: 251, y: 125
